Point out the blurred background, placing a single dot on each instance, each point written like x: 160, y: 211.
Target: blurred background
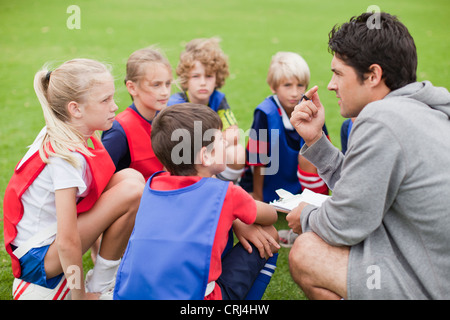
x: 33, y: 33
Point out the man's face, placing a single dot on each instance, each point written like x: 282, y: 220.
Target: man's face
x: 352, y: 94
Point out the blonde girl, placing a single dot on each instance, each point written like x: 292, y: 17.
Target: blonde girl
x: 148, y: 81
x: 64, y: 194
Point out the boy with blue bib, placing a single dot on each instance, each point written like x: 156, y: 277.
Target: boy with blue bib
x: 176, y: 250
x: 272, y: 154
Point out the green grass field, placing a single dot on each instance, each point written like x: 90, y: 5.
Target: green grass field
x: 35, y: 32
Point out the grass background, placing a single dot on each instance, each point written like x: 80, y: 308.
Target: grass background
x: 35, y: 32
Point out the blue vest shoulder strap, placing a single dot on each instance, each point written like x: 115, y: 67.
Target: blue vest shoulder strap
x: 215, y: 100
x: 176, y: 98
x: 268, y: 106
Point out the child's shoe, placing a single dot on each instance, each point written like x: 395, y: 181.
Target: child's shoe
x: 23, y: 290
x: 287, y: 238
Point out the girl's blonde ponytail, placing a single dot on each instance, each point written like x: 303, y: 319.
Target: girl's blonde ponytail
x: 70, y: 82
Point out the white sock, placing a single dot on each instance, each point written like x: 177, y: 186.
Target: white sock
x: 103, y: 274
x: 230, y: 174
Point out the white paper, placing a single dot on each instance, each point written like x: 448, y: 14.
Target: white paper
x: 288, y: 201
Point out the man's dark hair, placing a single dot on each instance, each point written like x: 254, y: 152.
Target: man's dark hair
x: 360, y: 43
x: 192, y: 119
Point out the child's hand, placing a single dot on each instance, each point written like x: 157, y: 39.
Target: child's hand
x: 255, y: 234
x: 231, y: 135
x: 308, y: 117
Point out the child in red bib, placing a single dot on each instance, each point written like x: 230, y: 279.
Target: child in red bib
x: 148, y: 80
x: 64, y: 194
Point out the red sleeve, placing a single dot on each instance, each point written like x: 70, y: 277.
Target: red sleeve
x: 244, y: 206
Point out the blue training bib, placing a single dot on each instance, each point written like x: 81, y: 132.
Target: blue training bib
x: 169, y: 252
x: 283, y: 158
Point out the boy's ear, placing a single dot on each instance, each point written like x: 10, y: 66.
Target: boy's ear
x: 74, y: 109
x: 205, y: 157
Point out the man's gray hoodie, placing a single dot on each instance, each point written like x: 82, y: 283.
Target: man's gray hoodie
x: 391, y: 196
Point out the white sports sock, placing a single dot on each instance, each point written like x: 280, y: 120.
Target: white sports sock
x: 230, y: 174
x: 103, y: 274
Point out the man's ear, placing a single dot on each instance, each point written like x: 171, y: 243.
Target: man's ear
x: 74, y: 109
x: 375, y: 74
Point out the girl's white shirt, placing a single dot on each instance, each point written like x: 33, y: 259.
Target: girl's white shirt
x: 39, y: 199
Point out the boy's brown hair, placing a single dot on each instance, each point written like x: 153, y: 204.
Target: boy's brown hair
x: 207, y: 52
x: 175, y: 132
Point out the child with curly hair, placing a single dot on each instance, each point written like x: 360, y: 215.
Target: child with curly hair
x: 202, y: 70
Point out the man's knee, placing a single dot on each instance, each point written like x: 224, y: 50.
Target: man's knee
x: 301, y: 250
x: 318, y: 268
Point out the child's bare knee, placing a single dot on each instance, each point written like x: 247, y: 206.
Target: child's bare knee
x: 136, y: 188
x: 131, y: 189
x: 129, y: 173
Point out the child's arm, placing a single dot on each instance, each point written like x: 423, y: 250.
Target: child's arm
x: 115, y: 142
x: 257, y: 151
x: 258, y: 183
x: 68, y: 239
x: 249, y: 228
x: 266, y: 215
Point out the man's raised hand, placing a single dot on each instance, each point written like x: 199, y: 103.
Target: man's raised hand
x: 308, y: 117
